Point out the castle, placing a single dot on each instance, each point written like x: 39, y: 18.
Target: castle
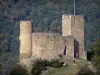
x: 50, y: 45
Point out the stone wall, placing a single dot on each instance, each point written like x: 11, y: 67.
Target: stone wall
x: 50, y: 46
x: 69, y: 43
x: 47, y: 45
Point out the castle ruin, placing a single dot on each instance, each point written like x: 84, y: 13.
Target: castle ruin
x: 50, y: 45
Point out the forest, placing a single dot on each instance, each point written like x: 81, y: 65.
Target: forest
x: 46, y: 16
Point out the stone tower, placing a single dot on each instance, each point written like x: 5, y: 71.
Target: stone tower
x: 25, y: 39
x: 74, y: 25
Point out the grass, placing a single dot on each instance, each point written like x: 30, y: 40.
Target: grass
x: 70, y: 70
x: 57, y: 71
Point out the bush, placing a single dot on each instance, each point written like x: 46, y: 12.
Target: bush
x: 18, y: 70
x: 96, y: 54
x: 85, y: 71
x: 55, y: 63
x: 97, y: 72
x: 38, y: 66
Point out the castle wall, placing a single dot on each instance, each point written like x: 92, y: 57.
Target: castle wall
x: 50, y: 46
x: 47, y: 45
x: 69, y: 43
x: 25, y: 39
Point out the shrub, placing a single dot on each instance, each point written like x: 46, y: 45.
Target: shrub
x: 85, y: 71
x: 98, y: 72
x: 96, y: 54
x: 36, y: 71
x: 18, y: 70
x: 55, y: 63
x: 38, y: 66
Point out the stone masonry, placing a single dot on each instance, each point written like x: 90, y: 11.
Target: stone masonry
x: 51, y: 45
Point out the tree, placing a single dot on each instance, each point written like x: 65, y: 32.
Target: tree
x: 96, y: 54
x: 18, y: 70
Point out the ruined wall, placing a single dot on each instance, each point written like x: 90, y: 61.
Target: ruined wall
x: 47, y: 45
x: 50, y: 46
x: 69, y: 43
x: 25, y: 39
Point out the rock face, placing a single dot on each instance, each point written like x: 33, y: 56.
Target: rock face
x: 52, y: 45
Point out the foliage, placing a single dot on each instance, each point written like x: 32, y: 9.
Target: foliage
x: 89, y: 55
x: 7, y: 60
x: 38, y: 66
x: 85, y: 71
x: 96, y: 54
x: 55, y: 63
x: 18, y: 70
x: 98, y: 72
x: 0, y: 67
x: 4, y: 43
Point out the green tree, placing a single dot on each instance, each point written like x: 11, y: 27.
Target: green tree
x: 96, y: 54
x: 18, y: 70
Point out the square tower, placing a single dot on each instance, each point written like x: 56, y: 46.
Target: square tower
x: 74, y: 25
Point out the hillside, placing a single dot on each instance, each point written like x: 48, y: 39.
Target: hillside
x: 71, y: 69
